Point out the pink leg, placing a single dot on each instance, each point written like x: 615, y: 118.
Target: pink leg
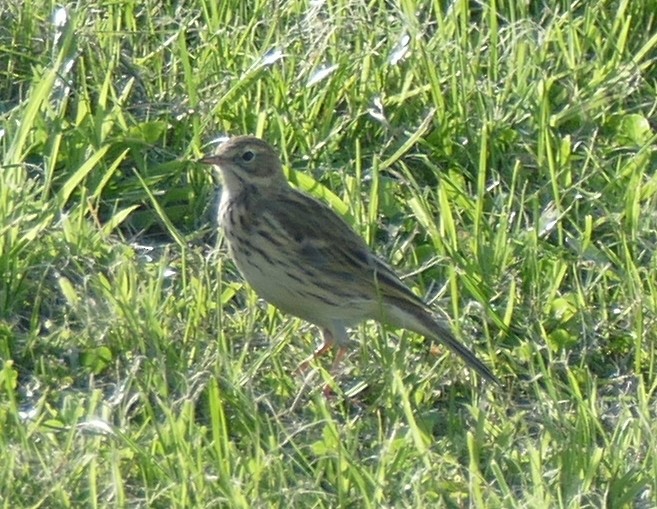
x: 327, y: 344
x: 339, y: 356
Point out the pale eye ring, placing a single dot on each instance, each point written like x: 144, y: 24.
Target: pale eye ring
x: 248, y: 156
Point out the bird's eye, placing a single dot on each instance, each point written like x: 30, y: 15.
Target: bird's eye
x: 248, y: 156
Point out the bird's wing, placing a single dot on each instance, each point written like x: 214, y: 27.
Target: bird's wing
x: 322, y: 241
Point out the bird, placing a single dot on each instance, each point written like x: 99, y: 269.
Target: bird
x: 304, y: 259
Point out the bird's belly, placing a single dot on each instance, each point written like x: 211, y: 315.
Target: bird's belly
x: 296, y: 289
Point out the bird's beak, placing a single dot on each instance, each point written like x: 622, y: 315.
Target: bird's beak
x: 213, y: 159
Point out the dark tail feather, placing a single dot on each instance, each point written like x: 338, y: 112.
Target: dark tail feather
x: 413, y: 317
x: 441, y: 333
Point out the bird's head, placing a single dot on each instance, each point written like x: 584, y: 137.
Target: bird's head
x: 247, y: 161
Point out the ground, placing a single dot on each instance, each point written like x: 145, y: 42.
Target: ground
x: 501, y: 155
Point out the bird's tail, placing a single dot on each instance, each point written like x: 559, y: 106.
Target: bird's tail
x: 417, y: 319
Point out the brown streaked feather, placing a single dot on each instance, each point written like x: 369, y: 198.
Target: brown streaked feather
x: 325, y: 241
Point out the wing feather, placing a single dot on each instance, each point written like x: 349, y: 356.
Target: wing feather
x: 323, y: 241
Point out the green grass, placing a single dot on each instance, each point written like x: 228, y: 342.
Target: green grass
x: 501, y: 154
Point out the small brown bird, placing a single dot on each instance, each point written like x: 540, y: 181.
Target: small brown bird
x: 300, y: 256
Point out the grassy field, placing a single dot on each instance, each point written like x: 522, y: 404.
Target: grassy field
x: 502, y: 155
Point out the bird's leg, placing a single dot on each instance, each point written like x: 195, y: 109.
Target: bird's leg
x: 327, y: 344
x: 339, y: 356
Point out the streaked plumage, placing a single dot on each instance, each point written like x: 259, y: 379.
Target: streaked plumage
x: 303, y: 258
